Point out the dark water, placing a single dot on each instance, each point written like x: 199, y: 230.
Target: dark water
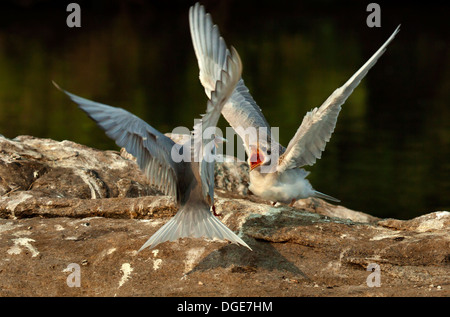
x: 389, y: 155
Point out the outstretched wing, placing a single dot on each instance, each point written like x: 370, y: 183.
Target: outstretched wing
x: 151, y: 148
x: 241, y: 111
x: 204, y: 140
x: 317, y: 126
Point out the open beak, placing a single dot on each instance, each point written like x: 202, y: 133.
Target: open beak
x: 256, y: 159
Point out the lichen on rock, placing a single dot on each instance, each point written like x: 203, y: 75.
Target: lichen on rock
x: 63, y: 203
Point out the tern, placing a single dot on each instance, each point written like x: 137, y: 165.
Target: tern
x: 190, y: 181
x: 276, y: 172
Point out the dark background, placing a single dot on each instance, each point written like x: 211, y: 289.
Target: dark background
x: 389, y: 155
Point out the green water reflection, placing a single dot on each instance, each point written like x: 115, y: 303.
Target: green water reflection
x: 389, y: 155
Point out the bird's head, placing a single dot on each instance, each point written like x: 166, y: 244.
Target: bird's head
x: 259, y: 156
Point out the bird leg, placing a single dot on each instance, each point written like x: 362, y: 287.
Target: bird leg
x: 214, y: 211
x: 292, y: 202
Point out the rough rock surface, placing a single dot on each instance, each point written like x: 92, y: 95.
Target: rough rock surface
x: 64, y: 204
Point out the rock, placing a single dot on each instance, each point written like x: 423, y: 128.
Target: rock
x: 322, y: 207
x: 436, y: 221
x: 67, y: 170
x: 66, y: 207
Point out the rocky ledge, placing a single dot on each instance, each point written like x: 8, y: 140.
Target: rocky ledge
x: 72, y: 219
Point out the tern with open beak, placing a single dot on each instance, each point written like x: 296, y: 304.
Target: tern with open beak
x: 190, y: 181
x: 276, y: 172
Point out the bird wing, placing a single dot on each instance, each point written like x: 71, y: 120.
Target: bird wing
x: 204, y: 140
x: 241, y: 110
x: 317, y: 126
x: 151, y: 148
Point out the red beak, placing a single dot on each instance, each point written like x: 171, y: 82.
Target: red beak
x: 256, y: 159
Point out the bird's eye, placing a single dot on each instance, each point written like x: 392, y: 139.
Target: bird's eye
x: 269, y: 152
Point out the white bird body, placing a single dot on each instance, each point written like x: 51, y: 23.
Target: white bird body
x: 276, y: 172
x: 281, y: 187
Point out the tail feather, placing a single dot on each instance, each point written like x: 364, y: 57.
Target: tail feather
x: 194, y: 223
x: 325, y: 196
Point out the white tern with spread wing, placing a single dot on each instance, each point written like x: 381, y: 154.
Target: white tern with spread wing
x: 191, y: 182
x: 275, y: 171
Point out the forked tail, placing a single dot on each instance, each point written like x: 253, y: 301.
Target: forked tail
x: 193, y: 222
x: 325, y: 196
